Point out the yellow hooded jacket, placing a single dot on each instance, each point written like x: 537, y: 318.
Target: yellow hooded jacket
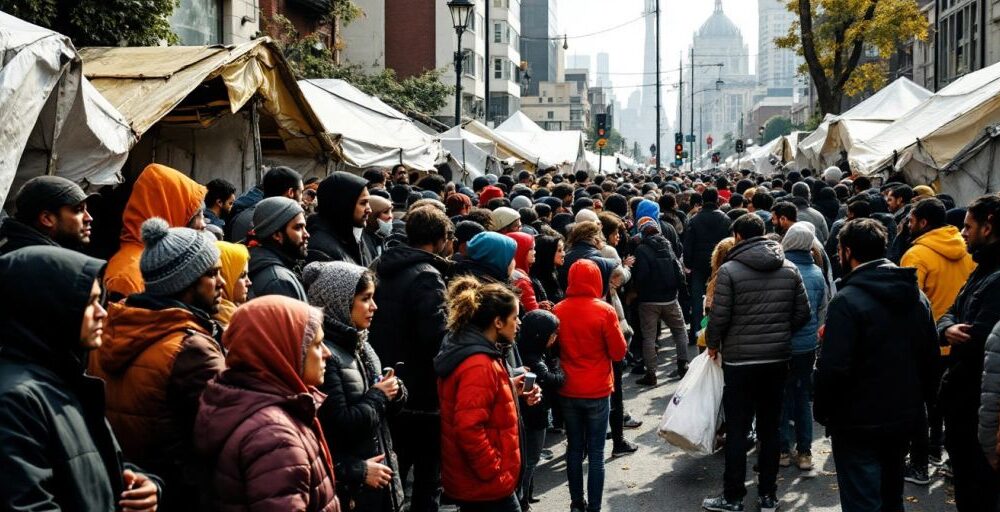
x: 943, y: 265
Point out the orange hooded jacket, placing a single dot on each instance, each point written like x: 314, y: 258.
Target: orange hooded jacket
x: 158, y: 192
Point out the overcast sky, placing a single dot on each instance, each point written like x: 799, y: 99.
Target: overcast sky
x: 678, y: 18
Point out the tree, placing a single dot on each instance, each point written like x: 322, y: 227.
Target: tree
x: 100, y: 22
x: 615, y: 140
x: 832, y: 35
x: 776, y: 127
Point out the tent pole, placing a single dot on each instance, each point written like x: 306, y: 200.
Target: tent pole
x: 257, y: 152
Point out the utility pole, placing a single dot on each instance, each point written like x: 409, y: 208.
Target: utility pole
x: 680, y: 96
x: 658, y: 161
x: 487, y: 30
x: 740, y: 155
x: 691, y: 140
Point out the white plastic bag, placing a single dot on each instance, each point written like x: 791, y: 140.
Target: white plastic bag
x: 692, y: 416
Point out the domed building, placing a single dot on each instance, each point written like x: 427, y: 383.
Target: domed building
x: 717, y: 108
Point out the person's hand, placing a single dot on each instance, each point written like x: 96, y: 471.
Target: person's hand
x: 378, y: 475
x: 957, y: 334
x: 713, y: 353
x: 546, y: 305
x: 140, y: 492
x: 519, y: 384
x: 533, y: 396
x: 687, y: 270
x: 629, y: 261
x: 389, y: 385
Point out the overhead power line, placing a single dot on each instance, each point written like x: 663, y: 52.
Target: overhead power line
x: 578, y: 36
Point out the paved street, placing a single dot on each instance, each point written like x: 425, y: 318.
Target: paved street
x: 660, y: 477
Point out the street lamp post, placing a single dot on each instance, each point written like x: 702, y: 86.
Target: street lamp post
x: 461, y: 11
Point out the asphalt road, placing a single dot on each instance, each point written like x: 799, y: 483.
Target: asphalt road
x: 660, y: 477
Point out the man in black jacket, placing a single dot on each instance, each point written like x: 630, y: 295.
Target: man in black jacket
x: 705, y: 230
x: 51, y: 210
x: 341, y: 214
x: 408, y: 329
x: 965, y: 327
x: 281, y: 243
x: 56, y: 448
x: 658, y: 277
x: 874, y: 370
x: 759, y: 302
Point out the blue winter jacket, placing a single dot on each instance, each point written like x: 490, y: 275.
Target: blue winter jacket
x: 806, y: 338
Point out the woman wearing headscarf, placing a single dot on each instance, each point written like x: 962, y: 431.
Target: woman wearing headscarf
x: 257, y: 424
x: 234, y: 259
x: 359, y: 397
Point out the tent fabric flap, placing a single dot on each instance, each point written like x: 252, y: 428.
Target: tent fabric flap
x: 372, y: 134
x: 54, y: 121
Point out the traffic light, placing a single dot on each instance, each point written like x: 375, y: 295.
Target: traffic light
x: 678, y: 138
x: 678, y: 149
x: 739, y: 145
x: 715, y: 157
x: 602, y: 126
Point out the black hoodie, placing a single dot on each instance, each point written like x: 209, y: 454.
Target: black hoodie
x: 536, y: 329
x: 461, y: 345
x: 412, y: 319
x: 873, y: 372
x: 15, y: 234
x: 56, y: 448
x: 331, y: 229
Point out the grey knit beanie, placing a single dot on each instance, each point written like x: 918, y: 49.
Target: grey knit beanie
x: 272, y: 214
x: 174, y: 258
x: 799, y: 237
x: 330, y: 285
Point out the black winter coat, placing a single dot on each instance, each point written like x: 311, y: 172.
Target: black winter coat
x: 879, y: 335
x: 657, y: 274
x: 412, y: 320
x: 536, y: 328
x: 977, y: 304
x: 274, y: 273
x: 57, y: 450
x: 583, y: 250
x: 759, y: 302
x: 327, y: 242
x: 703, y: 233
x: 15, y: 234
x: 355, y: 414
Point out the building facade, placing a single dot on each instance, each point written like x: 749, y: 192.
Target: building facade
x: 776, y: 67
x: 207, y: 22
x: 505, y: 60
x: 551, y: 108
x: 363, y: 40
x: 540, y: 49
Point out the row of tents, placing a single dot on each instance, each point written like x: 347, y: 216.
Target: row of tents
x: 949, y: 139
x: 99, y: 115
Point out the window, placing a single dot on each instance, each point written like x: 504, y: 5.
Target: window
x: 550, y: 99
x: 198, y: 22
x: 498, y: 32
x: 468, y: 64
x: 551, y: 114
x: 497, y: 68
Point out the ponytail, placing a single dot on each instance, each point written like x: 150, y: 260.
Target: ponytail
x: 473, y: 303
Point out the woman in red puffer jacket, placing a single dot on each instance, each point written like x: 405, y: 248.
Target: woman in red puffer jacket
x: 480, y: 443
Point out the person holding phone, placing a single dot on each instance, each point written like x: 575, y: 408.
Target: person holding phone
x: 360, y: 396
x: 480, y: 438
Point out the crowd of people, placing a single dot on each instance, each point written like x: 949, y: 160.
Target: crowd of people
x: 394, y: 341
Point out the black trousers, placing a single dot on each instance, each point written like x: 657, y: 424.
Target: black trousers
x: 508, y: 504
x: 975, y: 481
x: 870, y: 471
x: 752, y: 390
x: 617, y: 418
x: 416, y: 439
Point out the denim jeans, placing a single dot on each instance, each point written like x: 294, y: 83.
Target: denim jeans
x: 798, y: 405
x: 870, y: 471
x: 508, y: 504
x: 534, y: 441
x: 752, y: 390
x: 586, y: 426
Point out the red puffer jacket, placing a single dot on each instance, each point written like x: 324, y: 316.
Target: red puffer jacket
x: 589, y: 335
x: 480, y: 447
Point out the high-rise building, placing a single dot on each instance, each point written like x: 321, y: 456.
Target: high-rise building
x: 603, y: 70
x: 505, y: 60
x: 540, y: 48
x: 776, y: 67
x: 638, y: 118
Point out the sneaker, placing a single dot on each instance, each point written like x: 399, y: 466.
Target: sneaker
x: 580, y: 506
x: 936, y: 460
x: 623, y: 448
x: 546, y: 454
x: 639, y: 369
x: 915, y: 475
x: 721, y: 504
x: 631, y: 422
x: 768, y: 503
x: 647, y: 380
x: 785, y: 460
x: 804, y: 461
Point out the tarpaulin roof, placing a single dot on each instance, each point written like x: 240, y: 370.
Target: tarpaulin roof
x: 937, y: 129
x: 519, y: 122
x: 53, y: 120
x: 564, y: 147
x: 473, y: 159
x: 864, y: 121
x: 508, y: 147
x: 147, y: 83
x: 372, y: 134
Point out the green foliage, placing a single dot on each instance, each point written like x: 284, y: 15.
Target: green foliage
x: 100, y: 22
x: 345, y: 10
x: 776, y: 127
x: 615, y: 140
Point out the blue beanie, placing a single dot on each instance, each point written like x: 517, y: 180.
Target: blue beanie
x: 493, y: 249
x: 649, y: 209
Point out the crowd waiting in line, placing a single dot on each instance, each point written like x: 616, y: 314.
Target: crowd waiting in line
x: 391, y: 341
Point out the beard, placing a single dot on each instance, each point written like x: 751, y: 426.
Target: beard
x: 293, y: 249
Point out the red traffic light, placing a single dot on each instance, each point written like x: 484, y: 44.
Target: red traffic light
x: 600, y: 132
x: 679, y: 148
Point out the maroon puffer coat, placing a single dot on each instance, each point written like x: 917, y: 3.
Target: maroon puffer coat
x: 265, y: 453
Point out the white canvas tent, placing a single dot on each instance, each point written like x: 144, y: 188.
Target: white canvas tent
x: 54, y: 121
x: 474, y: 155
x: 863, y: 122
x: 950, y: 138
x: 563, y: 148
x: 372, y: 134
x: 766, y: 158
x: 507, y: 147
